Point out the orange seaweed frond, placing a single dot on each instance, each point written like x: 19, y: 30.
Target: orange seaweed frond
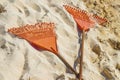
x: 82, y: 18
x: 40, y: 35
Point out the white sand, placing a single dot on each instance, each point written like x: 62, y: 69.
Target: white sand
x: 20, y: 61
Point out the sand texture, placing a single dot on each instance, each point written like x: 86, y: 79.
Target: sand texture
x: 20, y: 61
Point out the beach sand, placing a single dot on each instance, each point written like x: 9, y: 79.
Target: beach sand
x: 20, y: 61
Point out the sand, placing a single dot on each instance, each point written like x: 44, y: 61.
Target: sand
x: 20, y: 61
